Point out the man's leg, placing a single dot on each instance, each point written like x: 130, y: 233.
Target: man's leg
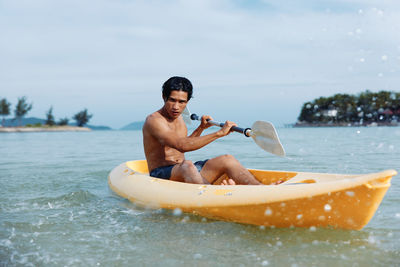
x: 188, y: 173
x: 216, y: 167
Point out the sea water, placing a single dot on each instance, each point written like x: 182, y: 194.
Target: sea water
x: 56, y: 208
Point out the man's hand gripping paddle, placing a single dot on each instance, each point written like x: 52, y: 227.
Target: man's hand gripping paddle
x: 262, y: 132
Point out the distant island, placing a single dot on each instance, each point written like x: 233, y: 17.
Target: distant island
x: 64, y: 128
x: 364, y: 109
x: 21, y: 124
x: 33, y: 124
x: 137, y: 125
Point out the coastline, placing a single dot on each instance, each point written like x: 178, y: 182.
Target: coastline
x: 44, y: 129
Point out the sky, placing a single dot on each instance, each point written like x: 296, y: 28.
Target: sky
x: 247, y: 60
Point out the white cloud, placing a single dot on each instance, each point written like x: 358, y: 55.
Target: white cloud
x: 113, y: 56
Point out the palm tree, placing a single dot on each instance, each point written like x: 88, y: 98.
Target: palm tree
x: 22, y: 109
x: 50, y: 118
x: 82, y: 117
x: 4, y: 109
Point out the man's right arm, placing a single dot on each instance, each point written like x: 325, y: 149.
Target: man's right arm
x: 168, y: 137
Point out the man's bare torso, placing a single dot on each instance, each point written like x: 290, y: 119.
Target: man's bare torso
x: 158, y: 154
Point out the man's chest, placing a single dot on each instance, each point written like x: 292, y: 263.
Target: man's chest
x: 179, y: 129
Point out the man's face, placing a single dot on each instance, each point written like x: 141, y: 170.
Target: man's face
x: 176, y: 103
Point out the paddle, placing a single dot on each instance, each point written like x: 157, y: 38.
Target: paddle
x: 262, y: 132
x: 186, y: 116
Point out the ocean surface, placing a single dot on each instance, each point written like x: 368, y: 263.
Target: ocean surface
x: 56, y: 208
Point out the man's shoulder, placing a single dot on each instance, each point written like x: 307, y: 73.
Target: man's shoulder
x: 154, y: 117
x: 153, y: 120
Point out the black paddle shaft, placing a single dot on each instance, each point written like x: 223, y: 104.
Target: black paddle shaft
x: 245, y: 131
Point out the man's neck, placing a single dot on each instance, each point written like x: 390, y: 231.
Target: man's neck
x: 165, y: 114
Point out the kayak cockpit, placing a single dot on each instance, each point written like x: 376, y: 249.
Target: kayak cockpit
x: 265, y: 177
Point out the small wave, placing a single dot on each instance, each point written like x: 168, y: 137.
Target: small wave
x: 77, y: 197
x: 72, y: 199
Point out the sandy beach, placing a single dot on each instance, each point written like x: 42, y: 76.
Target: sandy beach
x: 44, y: 129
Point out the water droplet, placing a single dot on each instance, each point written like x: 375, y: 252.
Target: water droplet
x: 268, y: 212
x: 371, y: 240
x: 327, y: 207
x: 313, y: 228
x: 299, y: 216
x: 264, y: 263
x: 197, y: 256
x: 177, y: 212
x: 350, y: 193
x: 384, y: 57
x: 185, y: 219
x: 362, y: 60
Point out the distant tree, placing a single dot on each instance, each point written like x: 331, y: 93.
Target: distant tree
x: 22, y: 108
x: 4, y: 109
x: 63, y: 121
x: 307, y: 112
x: 50, y: 118
x: 82, y: 117
x: 346, y: 107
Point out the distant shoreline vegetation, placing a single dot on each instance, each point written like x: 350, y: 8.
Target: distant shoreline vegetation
x: 22, y: 108
x: 364, y: 109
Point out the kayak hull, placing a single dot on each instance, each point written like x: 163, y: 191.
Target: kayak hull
x: 302, y: 200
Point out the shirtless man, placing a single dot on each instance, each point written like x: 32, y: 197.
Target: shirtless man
x: 165, y: 139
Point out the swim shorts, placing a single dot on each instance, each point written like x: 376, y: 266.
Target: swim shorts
x: 164, y: 172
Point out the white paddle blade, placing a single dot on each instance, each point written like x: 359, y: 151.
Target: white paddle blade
x: 265, y: 136
x: 186, y: 116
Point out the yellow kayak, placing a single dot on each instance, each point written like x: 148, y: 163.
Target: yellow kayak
x: 303, y: 200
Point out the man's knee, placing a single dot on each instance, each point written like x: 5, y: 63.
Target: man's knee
x: 190, y: 173
x: 188, y: 166
x: 228, y: 158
